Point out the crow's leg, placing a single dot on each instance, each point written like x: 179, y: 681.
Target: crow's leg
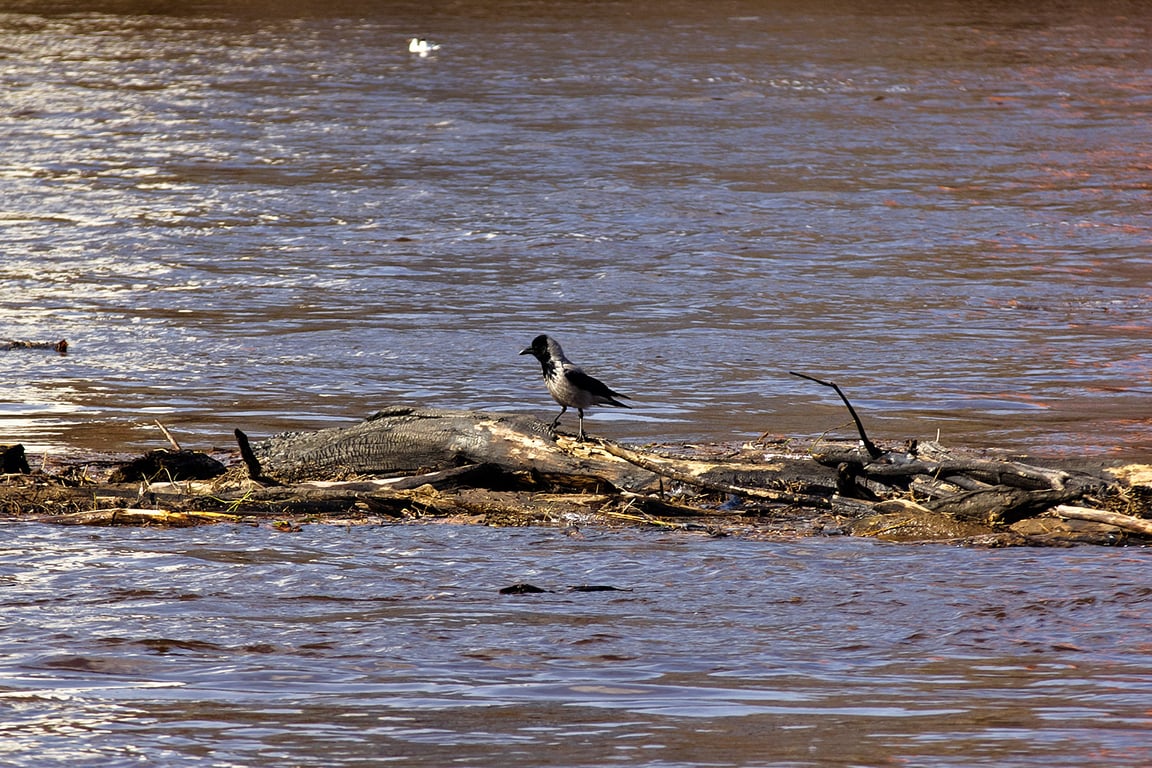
x: 556, y: 420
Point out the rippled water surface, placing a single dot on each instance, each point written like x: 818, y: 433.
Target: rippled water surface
x: 273, y: 216
x: 235, y: 646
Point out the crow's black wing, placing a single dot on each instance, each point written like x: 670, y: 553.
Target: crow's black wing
x: 578, y: 378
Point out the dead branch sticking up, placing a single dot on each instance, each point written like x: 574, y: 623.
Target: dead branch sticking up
x: 869, y: 446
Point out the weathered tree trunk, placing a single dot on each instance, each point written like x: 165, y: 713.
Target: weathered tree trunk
x: 401, y: 440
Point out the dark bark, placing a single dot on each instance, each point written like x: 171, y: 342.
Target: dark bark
x: 1000, y: 505
x: 169, y: 466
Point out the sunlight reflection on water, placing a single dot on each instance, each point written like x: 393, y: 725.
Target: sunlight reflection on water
x: 308, y: 224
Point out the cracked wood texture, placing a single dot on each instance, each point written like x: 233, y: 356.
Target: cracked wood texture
x: 404, y: 440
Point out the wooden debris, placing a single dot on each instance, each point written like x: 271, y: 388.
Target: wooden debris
x: 873, y: 451
x: 402, y: 440
x: 1000, y: 505
x: 129, y: 516
x: 695, y: 474
x: 1127, y: 522
x: 409, y: 465
x: 168, y: 435
x: 986, y: 471
x: 167, y: 465
x: 60, y: 347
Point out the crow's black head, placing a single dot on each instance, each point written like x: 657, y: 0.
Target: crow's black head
x: 538, y: 349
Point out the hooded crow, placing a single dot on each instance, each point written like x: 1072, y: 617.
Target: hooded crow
x: 567, y: 383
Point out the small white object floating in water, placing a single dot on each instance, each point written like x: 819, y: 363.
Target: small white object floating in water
x: 421, y: 46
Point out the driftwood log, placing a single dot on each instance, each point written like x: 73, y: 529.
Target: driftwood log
x: 401, y: 440
x: 408, y: 463
x: 1126, y: 522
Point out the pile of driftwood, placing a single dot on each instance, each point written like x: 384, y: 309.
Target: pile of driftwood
x: 419, y: 464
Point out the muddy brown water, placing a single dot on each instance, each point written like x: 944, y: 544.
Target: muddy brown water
x: 274, y: 217
x: 277, y: 218
x: 393, y: 645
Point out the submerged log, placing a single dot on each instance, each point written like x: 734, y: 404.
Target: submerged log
x: 60, y: 347
x: 903, y: 520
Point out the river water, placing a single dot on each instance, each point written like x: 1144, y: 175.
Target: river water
x: 273, y: 216
x: 236, y: 646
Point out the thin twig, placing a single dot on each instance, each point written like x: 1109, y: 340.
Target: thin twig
x: 171, y: 440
